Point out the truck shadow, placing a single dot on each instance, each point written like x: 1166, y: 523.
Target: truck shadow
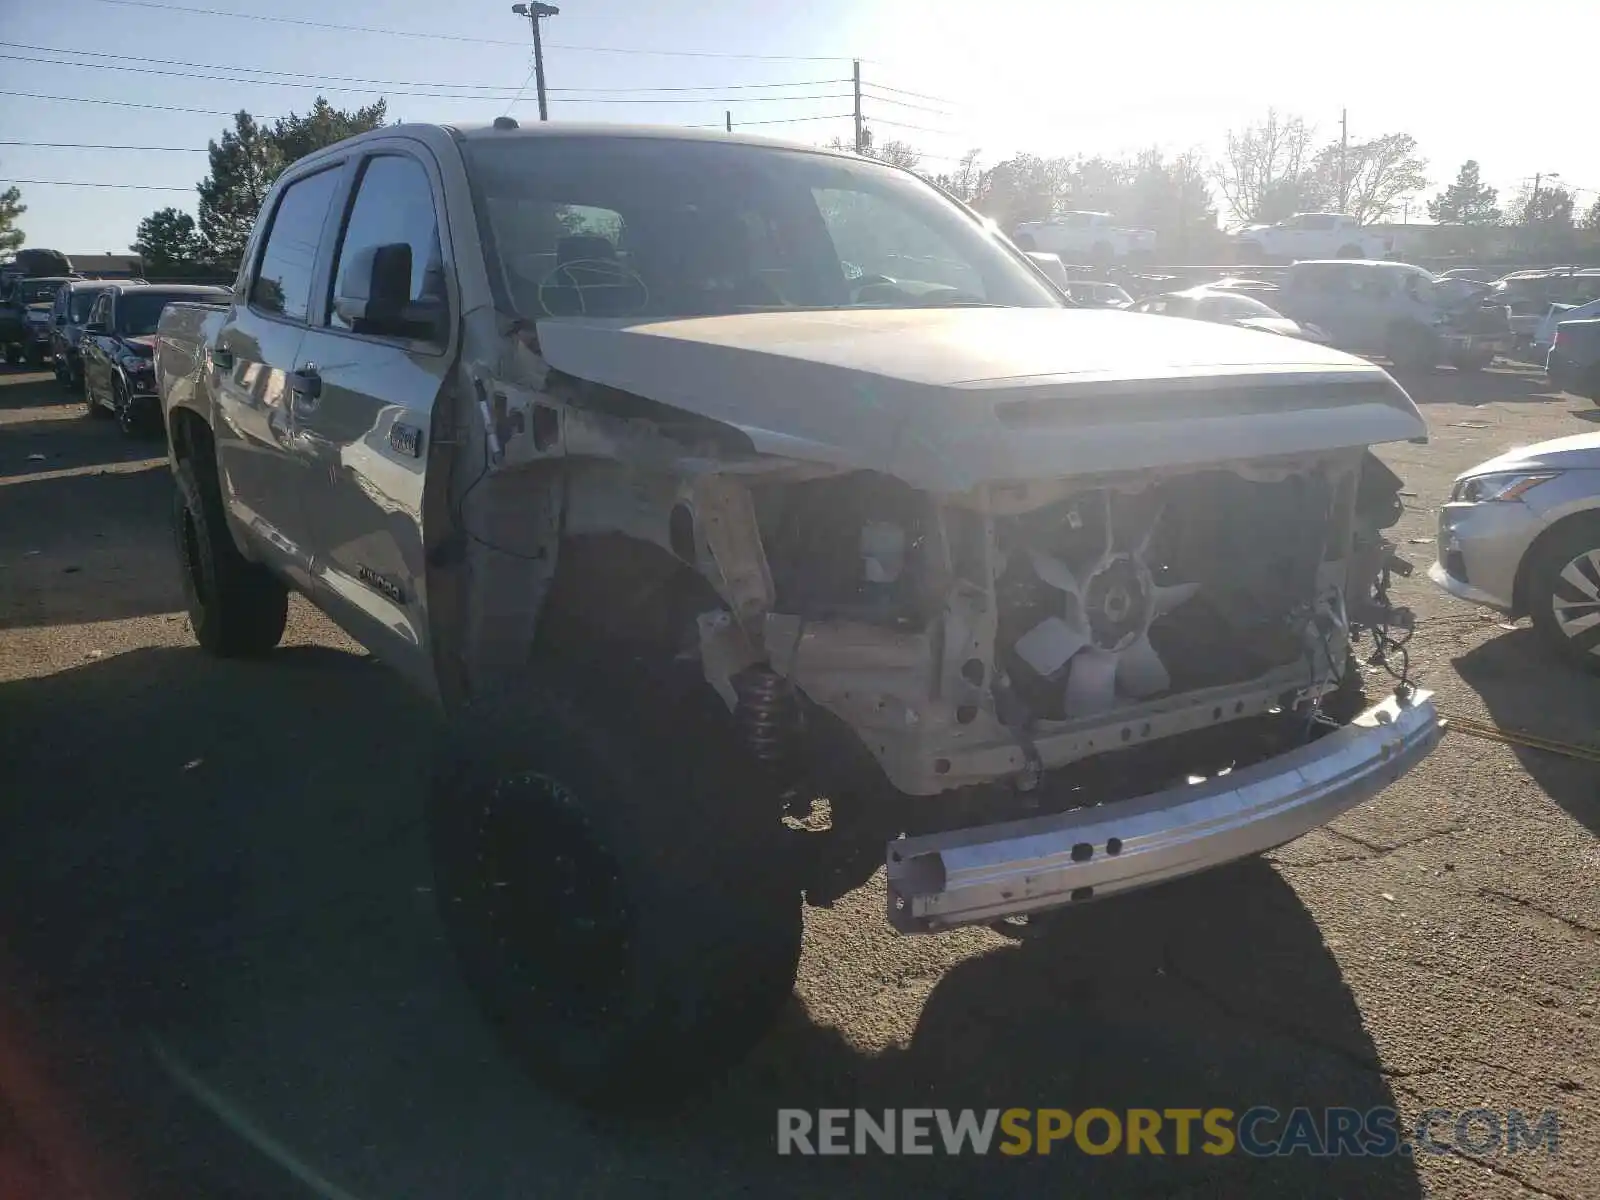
x: 227, y: 857
x: 1525, y: 687
x: 1499, y: 385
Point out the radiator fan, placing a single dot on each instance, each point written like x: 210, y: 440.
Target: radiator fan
x: 1101, y: 640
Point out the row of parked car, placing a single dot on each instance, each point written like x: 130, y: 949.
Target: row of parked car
x: 1379, y: 308
x: 98, y: 336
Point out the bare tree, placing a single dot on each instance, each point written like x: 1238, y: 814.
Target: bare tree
x: 1378, y: 176
x: 895, y: 153
x: 1264, y: 167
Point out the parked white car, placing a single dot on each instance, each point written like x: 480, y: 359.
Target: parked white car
x: 1084, y: 236
x: 1311, y: 235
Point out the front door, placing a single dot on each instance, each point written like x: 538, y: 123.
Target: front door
x: 263, y: 477
x: 96, y: 353
x: 365, y: 429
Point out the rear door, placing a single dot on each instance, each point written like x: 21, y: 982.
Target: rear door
x: 366, y: 429
x: 264, y: 477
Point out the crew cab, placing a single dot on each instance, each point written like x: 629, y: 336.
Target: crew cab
x: 117, y: 346
x: 1085, y: 237
x: 707, y: 480
x: 73, y: 304
x: 1310, y: 235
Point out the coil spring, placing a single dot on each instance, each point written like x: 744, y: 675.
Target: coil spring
x: 767, y: 713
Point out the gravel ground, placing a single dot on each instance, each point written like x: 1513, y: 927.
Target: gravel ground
x: 212, y: 879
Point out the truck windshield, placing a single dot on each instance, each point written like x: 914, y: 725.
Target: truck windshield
x: 666, y: 227
x: 82, y: 302
x: 38, y: 292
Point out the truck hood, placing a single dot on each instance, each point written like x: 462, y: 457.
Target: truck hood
x: 949, y: 398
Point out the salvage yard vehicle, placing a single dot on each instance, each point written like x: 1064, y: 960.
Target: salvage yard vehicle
x: 1085, y: 237
x: 1396, y: 311
x: 1310, y: 235
x: 117, y: 347
x: 1573, y: 362
x: 725, y: 561
x: 71, y: 313
x: 1228, y: 308
x: 27, y: 329
x: 1521, y: 534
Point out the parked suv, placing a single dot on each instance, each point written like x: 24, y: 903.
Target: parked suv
x: 28, y: 327
x: 593, y: 435
x: 1396, y: 311
x: 1573, y: 364
x: 118, y: 346
x: 67, y: 319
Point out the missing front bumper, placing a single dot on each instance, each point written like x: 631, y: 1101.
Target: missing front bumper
x: 969, y: 876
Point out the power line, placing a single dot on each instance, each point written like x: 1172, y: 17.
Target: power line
x: 478, y: 87
x: 453, y: 37
x: 945, y: 112
x: 208, y: 112
x: 105, y: 146
x: 884, y: 87
x: 513, y: 96
x: 904, y: 125
x: 141, y: 187
x: 778, y: 121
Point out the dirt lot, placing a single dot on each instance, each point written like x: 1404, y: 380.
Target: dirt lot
x: 212, y: 879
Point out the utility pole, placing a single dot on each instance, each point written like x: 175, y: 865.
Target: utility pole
x: 536, y: 12
x: 729, y: 114
x: 861, y: 129
x: 1344, y: 148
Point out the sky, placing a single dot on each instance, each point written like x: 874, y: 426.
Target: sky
x: 1015, y: 75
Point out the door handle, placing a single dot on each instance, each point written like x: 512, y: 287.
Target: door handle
x: 306, y: 385
x: 223, y: 357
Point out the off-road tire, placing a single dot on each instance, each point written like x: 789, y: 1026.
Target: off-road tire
x: 680, y: 908
x: 237, y: 608
x: 1551, y: 555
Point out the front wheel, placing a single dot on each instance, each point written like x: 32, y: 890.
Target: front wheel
x: 1413, y: 348
x: 610, y: 870
x: 1564, y: 592
x: 237, y: 608
x: 1350, y: 251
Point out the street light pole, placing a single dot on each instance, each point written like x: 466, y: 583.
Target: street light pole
x: 536, y: 12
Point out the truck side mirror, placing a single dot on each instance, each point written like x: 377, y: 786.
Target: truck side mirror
x: 374, y: 297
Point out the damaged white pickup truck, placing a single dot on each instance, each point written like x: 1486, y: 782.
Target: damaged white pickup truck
x: 746, y: 505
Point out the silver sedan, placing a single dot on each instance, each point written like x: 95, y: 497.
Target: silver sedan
x: 1521, y: 533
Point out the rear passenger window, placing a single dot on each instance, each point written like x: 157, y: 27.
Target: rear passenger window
x: 283, y: 281
x: 394, y: 205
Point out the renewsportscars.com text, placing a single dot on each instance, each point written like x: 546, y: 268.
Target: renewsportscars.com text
x: 1259, y: 1131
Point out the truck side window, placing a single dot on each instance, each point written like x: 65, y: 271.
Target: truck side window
x: 101, y: 312
x: 394, y: 204
x: 283, y: 282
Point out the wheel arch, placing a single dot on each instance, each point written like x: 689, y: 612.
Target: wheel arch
x: 1520, y: 600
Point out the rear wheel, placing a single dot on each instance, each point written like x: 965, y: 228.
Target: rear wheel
x: 1564, y: 591
x: 610, y: 870
x: 236, y: 606
x: 130, y: 420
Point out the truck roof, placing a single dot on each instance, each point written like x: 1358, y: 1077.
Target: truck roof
x: 487, y: 130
